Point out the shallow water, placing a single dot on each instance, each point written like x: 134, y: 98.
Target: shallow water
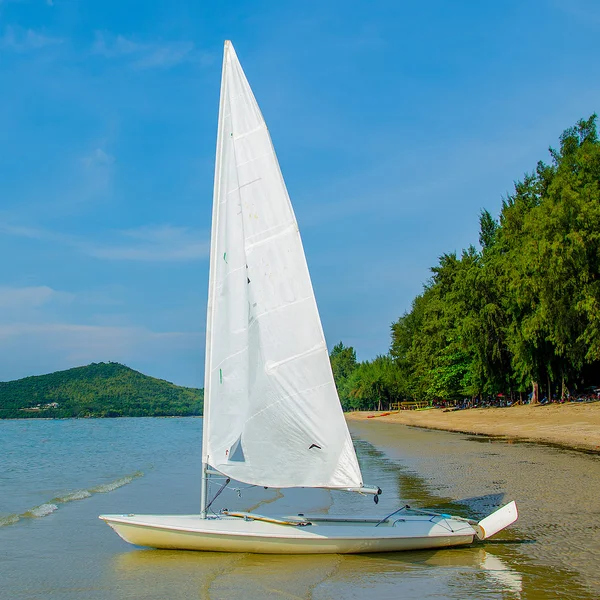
x: 557, y: 491
x: 57, y: 476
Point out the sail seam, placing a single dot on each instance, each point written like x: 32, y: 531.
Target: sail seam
x: 285, y: 396
x: 291, y: 228
x: 243, y: 135
x: 243, y: 185
x: 307, y: 390
x: 220, y: 364
x: 273, y: 310
x: 226, y: 277
x: 284, y: 226
x: 249, y: 183
x: 266, y: 154
x: 273, y: 365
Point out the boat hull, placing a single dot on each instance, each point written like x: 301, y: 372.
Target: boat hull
x: 339, y: 536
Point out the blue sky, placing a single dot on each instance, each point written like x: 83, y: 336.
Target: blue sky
x: 395, y: 122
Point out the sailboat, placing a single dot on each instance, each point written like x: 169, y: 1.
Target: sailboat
x: 272, y: 416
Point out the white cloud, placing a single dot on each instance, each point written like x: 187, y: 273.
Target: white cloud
x: 165, y: 55
x: 97, y: 176
x: 38, y: 233
x: 25, y: 40
x: 98, y: 158
x: 147, y: 55
x: 29, y: 348
x: 29, y: 297
x: 111, y: 46
x: 160, y: 243
x: 92, y: 336
x: 85, y: 343
x: 27, y: 232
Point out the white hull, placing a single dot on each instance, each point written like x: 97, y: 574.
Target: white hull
x: 412, y: 530
x: 324, y: 536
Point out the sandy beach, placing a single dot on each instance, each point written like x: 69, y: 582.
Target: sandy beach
x: 572, y: 425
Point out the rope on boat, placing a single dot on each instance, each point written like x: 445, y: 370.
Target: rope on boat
x: 252, y: 517
x: 432, y: 514
x: 237, y: 490
x: 445, y: 516
x: 479, y: 532
x: 406, y: 506
x: 218, y: 493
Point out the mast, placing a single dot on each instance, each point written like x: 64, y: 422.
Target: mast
x: 211, y: 289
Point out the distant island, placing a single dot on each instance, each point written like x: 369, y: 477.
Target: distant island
x: 97, y: 390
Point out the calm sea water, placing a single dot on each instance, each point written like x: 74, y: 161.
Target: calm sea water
x: 57, y: 476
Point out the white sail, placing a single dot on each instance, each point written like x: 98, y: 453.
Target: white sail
x: 272, y: 414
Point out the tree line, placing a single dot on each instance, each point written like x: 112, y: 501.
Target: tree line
x: 517, y: 317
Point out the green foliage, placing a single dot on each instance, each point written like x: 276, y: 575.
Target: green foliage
x: 343, y: 364
x: 524, y: 310
x: 550, y: 261
x: 488, y: 227
x: 374, y: 384
x: 97, y: 390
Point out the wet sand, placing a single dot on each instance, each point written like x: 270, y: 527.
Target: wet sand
x: 554, y: 545
x: 571, y: 425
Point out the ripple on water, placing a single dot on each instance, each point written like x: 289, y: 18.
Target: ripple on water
x: 47, y: 508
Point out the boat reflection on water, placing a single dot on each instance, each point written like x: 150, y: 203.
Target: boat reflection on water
x: 498, y: 570
x: 424, y: 574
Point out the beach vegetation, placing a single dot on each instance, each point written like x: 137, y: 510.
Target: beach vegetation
x: 517, y: 317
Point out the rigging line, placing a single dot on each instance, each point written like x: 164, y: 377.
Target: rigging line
x: 218, y: 493
x: 406, y: 506
x: 445, y: 516
x: 239, y: 489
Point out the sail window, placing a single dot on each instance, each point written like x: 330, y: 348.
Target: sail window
x: 236, y: 452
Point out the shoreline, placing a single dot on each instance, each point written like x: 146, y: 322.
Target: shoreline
x: 575, y: 426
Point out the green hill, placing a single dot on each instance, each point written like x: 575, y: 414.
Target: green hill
x: 97, y: 390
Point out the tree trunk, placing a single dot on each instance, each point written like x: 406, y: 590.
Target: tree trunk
x: 549, y: 388
x: 535, y: 396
